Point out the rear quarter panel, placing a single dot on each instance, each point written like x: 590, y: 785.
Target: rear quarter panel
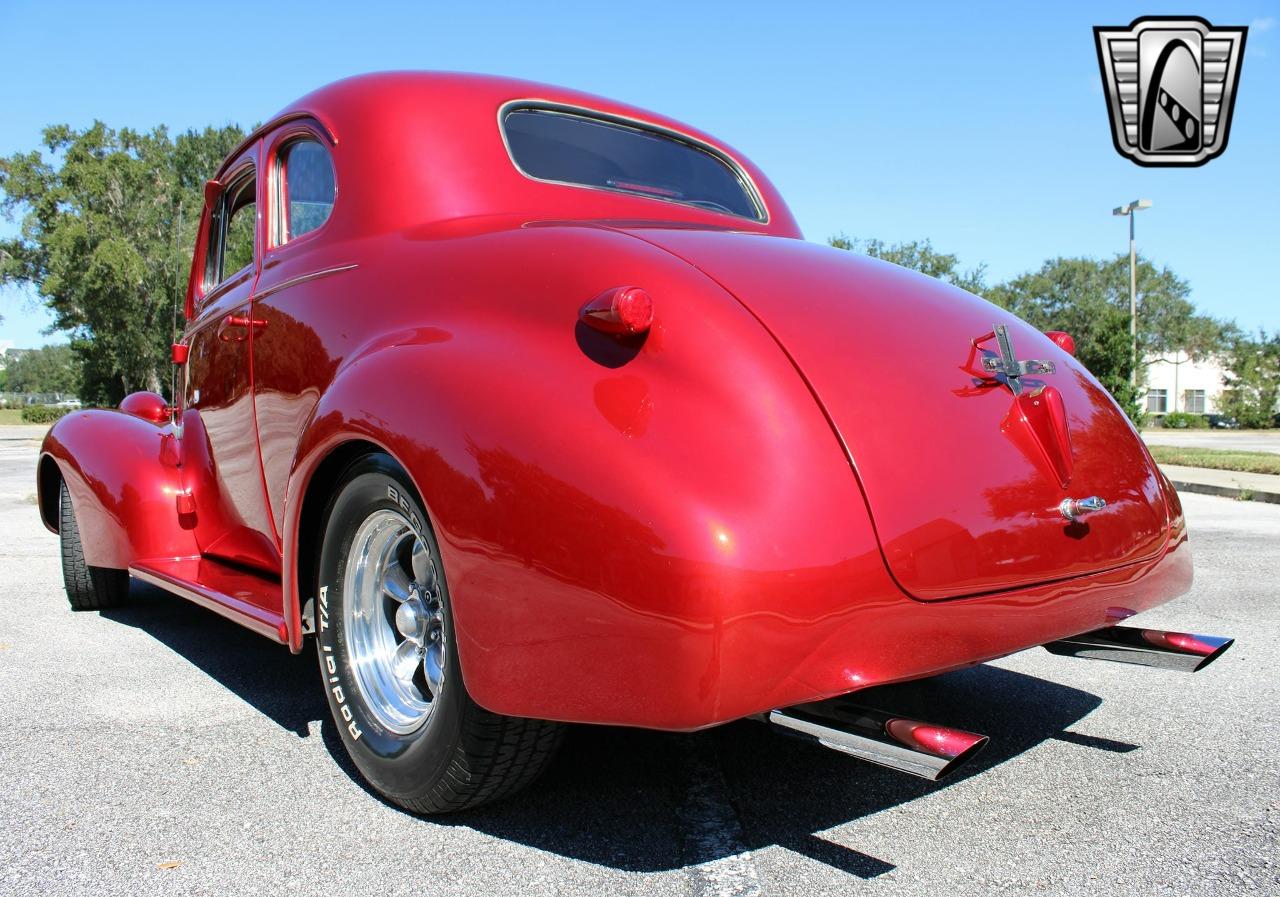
x: 618, y: 524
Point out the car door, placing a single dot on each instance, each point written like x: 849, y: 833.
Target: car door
x: 222, y: 467
x: 306, y: 315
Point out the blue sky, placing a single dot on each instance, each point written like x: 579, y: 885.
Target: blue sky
x: 982, y: 128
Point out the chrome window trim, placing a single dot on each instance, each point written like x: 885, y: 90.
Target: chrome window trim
x: 540, y: 105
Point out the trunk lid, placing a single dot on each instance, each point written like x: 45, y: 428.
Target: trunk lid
x: 963, y: 478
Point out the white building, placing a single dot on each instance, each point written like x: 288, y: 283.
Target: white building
x: 1174, y: 383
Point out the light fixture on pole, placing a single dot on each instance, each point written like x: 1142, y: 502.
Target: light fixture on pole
x: 1135, y: 206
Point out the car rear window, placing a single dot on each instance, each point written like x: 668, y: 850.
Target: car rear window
x: 578, y: 148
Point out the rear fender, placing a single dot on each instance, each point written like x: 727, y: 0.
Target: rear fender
x: 121, y: 472
x: 618, y: 526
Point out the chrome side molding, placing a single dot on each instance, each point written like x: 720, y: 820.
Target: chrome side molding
x: 921, y: 749
x: 1146, y: 647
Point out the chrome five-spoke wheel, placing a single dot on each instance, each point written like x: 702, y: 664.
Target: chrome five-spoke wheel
x: 394, y: 620
x: 390, y: 661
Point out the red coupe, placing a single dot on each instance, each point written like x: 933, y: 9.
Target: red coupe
x: 532, y: 407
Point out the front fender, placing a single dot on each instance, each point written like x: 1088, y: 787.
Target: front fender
x: 121, y: 472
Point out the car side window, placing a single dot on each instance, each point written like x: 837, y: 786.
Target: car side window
x: 232, y: 231
x: 307, y: 188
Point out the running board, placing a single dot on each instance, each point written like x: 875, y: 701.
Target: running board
x: 920, y: 749
x: 253, y: 601
x: 1180, y: 651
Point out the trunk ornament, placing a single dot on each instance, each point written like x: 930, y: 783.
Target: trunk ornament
x: 1007, y: 363
x: 1037, y: 419
x: 1073, y: 508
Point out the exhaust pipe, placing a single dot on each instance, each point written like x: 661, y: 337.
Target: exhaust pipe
x: 921, y: 749
x: 1145, y: 647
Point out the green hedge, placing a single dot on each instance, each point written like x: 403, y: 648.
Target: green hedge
x: 43, y: 414
x: 1181, y: 420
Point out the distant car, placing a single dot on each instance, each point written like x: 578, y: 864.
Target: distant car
x: 68, y: 403
x: 533, y: 407
x: 1223, y: 422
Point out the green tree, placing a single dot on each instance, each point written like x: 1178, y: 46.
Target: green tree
x: 49, y: 369
x: 1252, y: 379
x: 108, y: 221
x: 918, y: 256
x: 1065, y: 293
x: 1089, y: 298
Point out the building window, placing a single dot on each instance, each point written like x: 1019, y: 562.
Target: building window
x: 1193, y: 401
x: 1157, y: 401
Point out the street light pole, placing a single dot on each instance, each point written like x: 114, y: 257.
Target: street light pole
x: 1133, y: 299
x: 1136, y: 205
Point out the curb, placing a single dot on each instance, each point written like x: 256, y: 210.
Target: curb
x: 1238, y: 493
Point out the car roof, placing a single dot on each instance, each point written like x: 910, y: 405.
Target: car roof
x: 411, y: 147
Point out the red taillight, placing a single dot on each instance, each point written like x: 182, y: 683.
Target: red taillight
x: 1062, y: 340
x: 623, y: 311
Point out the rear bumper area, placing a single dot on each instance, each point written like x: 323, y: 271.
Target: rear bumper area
x: 883, y: 642
x: 752, y: 645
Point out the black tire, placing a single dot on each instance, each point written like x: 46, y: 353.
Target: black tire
x: 88, y: 588
x: 463, y: 755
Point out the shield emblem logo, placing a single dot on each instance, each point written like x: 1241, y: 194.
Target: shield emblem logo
x: 1170, y: 86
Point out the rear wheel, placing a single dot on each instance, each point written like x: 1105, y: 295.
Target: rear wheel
x: 88, y: 588
x: 388, y: 655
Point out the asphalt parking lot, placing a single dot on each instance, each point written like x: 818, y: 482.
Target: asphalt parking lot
x: 160, y: 749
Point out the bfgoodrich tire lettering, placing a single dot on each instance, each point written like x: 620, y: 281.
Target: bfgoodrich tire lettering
x: 420, y: 740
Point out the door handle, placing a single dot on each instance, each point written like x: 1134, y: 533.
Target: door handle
x: 238, y: 322
x: 245, y: 321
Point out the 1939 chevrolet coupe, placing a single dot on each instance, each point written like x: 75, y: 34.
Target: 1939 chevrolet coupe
x: 535, y: 408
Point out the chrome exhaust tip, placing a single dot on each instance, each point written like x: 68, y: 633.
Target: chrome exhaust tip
x: 918, y: 748
x: 1180, y: 651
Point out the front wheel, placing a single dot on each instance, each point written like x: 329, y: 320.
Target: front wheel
x: 388, y: 655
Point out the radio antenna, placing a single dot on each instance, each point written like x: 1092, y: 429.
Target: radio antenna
x: 173, y: 374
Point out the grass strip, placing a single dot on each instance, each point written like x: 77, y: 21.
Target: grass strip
x: 1217, y: 459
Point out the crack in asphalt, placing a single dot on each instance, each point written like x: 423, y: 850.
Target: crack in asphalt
x: 716, y: 859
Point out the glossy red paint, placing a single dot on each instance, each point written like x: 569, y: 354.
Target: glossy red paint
x: 959, y: 496
x: 234, y: 593
x: 146, y: 405
x: 122, y: 475
x: 787, y: 487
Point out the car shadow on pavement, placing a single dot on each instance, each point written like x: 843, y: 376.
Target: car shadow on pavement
x: 621, y: 798
x: 284, y: 687
x: 608, y: 798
